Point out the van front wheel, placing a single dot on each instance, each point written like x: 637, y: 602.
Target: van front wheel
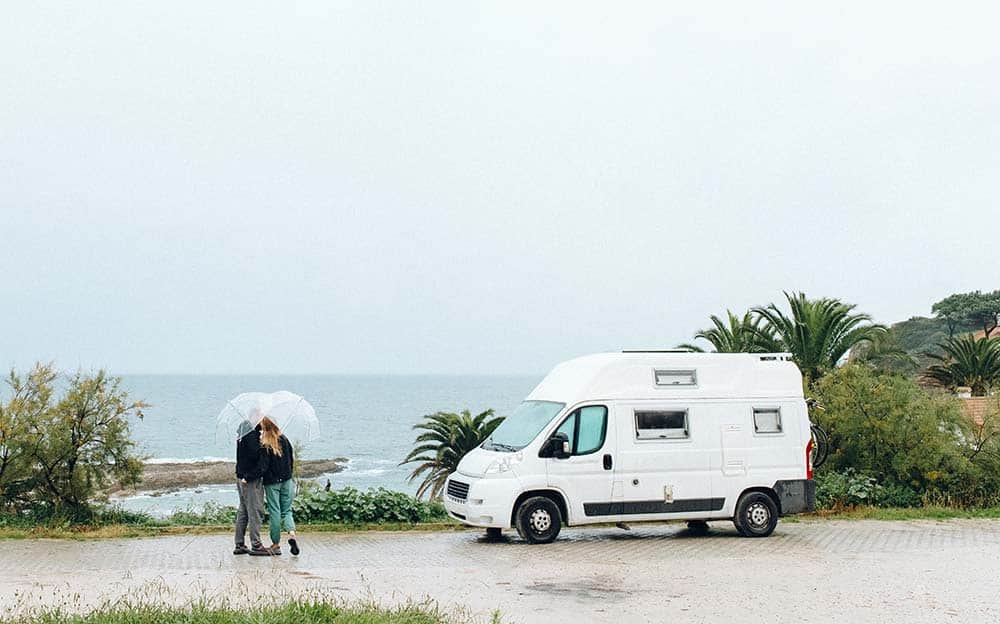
x: 538, y: 520
x: 756, y: 515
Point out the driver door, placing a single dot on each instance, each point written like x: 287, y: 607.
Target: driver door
x: 586, y: 476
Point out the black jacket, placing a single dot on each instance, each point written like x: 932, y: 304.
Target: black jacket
x: 279, y: 467
x: 251, y: 457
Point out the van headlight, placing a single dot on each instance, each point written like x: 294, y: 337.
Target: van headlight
x: 503, y: 465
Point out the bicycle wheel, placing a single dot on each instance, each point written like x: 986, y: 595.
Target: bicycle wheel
x: 820, y: 447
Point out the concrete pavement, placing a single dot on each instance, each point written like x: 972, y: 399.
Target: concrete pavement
x: 813, y: 571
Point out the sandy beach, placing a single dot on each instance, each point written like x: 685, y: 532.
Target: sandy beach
x: 163, y: 478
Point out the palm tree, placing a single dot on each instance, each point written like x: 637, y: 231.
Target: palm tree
x: 885, y: 352
x: 445, y: 440
x: 740, y: 335
x: 818, y: 332
x: 966, y: 361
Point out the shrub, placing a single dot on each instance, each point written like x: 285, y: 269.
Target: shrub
x: 351, y: 506
x: 850, y: 488
x: 58, y: 453
x: 210, y: 514
x: 915, y: 444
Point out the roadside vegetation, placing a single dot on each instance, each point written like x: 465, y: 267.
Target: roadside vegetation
x: 294, y: 611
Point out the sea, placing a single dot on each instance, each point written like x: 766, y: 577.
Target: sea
x: 367, y: 419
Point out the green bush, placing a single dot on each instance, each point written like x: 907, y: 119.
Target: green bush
x: 210, y: 514
x: 840, y: 490
x: 351, y: 506
x: 912, y: 444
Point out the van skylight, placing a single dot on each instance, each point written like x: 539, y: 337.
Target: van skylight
x: 669, y: 377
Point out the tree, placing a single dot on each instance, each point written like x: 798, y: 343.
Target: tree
x: 978, y: 308
x: 966, y: 361
x: 445, y: 440
x: 62, y: 453
x: 818, y: 332
x: 29, y: 398
x: 746, y: 334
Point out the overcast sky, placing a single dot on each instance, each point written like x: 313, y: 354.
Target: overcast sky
x: 435, y: 187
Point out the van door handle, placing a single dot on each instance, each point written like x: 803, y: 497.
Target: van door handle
x: 607, y: 461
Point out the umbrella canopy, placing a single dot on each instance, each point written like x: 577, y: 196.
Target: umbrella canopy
x: 293, y: 414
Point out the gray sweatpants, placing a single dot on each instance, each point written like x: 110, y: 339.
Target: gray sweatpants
x: 250, y: 511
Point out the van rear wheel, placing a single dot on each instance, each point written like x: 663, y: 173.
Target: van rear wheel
x: 756, y: 515
x: 538, y: 520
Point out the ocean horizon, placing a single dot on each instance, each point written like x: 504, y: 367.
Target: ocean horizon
x: 367, y: 419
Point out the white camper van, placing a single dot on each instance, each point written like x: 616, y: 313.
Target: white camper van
x: 645, y: 436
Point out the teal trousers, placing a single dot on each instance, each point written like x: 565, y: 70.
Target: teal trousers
x: 279, y: 507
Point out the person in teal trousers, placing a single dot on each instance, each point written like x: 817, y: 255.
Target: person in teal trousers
x: 279, y: 488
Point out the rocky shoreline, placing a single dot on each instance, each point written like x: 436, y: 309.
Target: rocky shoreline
x: 164, y: 478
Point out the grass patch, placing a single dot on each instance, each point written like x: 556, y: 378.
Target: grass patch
x: 294, y: 612
x: 905, y: 513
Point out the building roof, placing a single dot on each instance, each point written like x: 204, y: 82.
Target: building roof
x: 977, y: 408
x: 633, y: 375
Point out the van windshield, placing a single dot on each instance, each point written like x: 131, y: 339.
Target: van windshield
x: 521, y: 427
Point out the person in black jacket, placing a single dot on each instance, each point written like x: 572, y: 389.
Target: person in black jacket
x: 251, y: 464
x: 279, y: 488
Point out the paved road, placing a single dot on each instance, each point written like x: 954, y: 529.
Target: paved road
x: 806, y: 572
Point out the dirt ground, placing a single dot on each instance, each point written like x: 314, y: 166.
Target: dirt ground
x: 812, y: 571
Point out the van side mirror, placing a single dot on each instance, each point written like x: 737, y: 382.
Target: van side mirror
x: 558, y: 446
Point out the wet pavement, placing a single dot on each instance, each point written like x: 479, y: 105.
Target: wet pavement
x: 814, y: 571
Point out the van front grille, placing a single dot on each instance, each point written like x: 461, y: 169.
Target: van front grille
x: 458, y: 490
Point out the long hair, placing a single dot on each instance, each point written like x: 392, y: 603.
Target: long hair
x: 270, y: 435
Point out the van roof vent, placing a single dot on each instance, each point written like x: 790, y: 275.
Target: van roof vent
x: 657, y: 351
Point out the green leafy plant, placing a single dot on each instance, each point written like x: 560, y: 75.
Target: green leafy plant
x: 211, y: 513
x: 445, y: 439
x: 966, y: 361
x: 352, y: 506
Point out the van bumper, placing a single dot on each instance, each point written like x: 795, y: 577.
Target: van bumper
x: 487, y: 504
x: 796, y: 496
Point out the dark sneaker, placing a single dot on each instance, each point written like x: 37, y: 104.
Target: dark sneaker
x: 260, y: 551
x: 293, y: 545
x: 241, y: 549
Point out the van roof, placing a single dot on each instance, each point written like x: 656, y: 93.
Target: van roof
x: 670, y: 375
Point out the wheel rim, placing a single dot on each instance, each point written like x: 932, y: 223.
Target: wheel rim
x: 758, y: 515
x: 540, y: 521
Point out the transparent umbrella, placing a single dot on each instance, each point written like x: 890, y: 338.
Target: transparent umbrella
x: 293, y: 414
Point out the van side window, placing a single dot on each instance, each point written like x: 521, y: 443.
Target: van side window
x: 767, y: 420
x: 586, y: 429
x: 661, y: 424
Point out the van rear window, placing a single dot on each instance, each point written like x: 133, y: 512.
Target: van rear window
x: 661, y: 424
x: 766, y: 420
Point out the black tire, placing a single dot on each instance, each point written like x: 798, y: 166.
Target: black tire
x: 756, y: 515
x: 494, y: 534
x: 538, y: 520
